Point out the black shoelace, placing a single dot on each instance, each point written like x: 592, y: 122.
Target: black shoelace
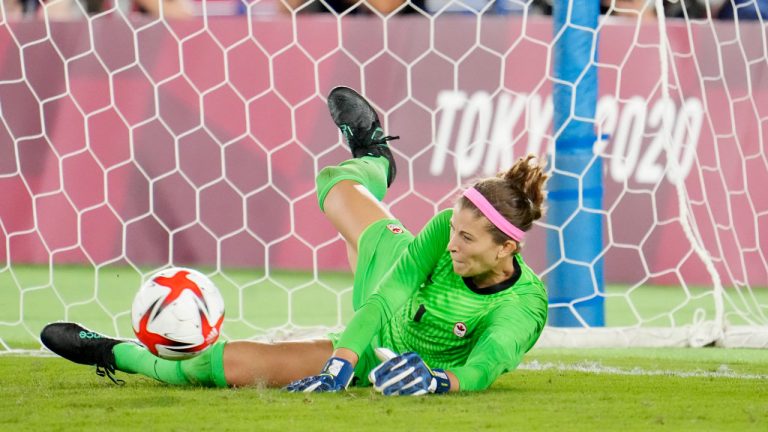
x: 383, y: 140
x: 106, y: 368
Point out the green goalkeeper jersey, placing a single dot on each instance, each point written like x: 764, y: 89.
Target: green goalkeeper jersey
x: 423, y: 306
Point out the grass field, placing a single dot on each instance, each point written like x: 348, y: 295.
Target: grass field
x: 570, y: 390
x: 596, y: 390
x: 32, y: 296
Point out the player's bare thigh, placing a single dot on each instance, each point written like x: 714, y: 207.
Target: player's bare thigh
x: 351, y: 208
x: 273, y: 364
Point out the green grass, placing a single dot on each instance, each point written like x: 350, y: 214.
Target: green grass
x: 31, y: 296
x: 53, y: 394
x: 555, y: 389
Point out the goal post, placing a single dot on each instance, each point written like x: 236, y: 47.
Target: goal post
x: 674, y: 143
x: 129, y: 144
x: 575, y: 283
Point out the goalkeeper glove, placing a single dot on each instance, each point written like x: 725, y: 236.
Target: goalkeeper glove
x: 407, y: 374
x: 336, y: 375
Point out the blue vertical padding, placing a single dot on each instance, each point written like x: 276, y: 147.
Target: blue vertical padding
x: 578, y: 173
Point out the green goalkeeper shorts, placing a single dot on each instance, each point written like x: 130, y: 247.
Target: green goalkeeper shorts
x: 378, y: 249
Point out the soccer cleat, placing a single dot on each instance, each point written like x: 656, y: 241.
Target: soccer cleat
x: 80, y: 345
x: 361, y: 127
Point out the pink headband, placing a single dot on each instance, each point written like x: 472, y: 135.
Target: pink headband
x: 493, y: 215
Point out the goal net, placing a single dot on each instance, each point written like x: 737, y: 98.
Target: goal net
x: 129, y: 144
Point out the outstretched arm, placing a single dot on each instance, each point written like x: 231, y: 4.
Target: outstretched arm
x: 408, y: 274
x: 514, y: 329
x: 410, y: 271
x: 511, y: 331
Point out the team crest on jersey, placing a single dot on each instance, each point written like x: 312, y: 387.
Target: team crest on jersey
x: 395, y: 229
x: 460, y: 329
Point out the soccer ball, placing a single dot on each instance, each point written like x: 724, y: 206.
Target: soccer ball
x: 177, y: 313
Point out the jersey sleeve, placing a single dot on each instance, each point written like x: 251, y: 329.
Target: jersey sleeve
x: 407, y: 275
x: 513, y: 328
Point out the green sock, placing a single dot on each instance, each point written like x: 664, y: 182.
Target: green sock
x: 369, y: 171
x: 206, y: 369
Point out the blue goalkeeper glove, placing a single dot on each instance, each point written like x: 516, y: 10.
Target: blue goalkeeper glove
x: 336, y: 375
x: 407, y: 374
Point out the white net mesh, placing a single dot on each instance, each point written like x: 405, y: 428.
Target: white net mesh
x: 129, y: 143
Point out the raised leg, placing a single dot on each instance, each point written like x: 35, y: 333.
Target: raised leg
x: 351, y: 208
x: 350, y: 194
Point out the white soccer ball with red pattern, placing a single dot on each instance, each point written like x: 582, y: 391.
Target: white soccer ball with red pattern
x: 177, y: 313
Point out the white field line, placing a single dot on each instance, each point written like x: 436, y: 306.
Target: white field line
x: 583, y: 366
x: 27, y: 353
x: 597, y: 368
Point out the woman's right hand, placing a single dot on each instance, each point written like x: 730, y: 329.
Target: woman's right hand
x: 336, y: 375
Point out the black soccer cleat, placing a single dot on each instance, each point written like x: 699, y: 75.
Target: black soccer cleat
x: 361, y: 127
x: 80, y: 345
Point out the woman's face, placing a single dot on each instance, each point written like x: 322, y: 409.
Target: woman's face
x: 471, y: 246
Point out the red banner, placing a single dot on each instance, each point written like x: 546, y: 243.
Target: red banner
x: 198, y: 143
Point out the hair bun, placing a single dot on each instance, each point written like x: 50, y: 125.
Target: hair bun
x: 528, y: 176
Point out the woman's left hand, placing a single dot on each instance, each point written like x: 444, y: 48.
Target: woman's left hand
x: 407, y: 374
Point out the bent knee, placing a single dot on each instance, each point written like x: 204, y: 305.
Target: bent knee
x: 327, y: 178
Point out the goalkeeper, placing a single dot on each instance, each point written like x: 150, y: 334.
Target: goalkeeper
x: 449, y: 309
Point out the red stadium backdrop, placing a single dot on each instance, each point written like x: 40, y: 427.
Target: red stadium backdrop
x: 152, y: 142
